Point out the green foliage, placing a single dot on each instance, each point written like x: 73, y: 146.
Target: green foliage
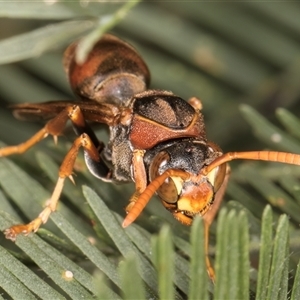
x: 192, y: 49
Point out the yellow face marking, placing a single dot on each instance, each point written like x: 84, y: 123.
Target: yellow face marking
x: 185, y: 205
x: 196, y: 198
x: 212, y: 176
x: 178, y: 181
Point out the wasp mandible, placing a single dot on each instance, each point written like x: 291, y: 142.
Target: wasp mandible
x: 156, y: 139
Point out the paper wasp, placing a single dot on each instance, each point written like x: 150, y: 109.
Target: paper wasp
x: 157, y: 140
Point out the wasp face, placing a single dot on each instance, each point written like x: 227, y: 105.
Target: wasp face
x: 187, y: 197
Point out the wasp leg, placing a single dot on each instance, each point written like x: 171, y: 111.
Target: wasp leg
x: 96, y: 166
x: 209, y: 217
x: 91, y: 146
x: 139, y: 175
x: 53, y: 127
x: 65, y: 171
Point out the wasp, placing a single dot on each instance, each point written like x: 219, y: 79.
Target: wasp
x: 156, y: 139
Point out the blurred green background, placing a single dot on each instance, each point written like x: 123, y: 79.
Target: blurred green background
x: 226, y: 53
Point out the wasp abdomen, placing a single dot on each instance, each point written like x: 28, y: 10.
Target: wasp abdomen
x: 113, y: 71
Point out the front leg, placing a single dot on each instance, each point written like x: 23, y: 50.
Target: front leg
x: 209, y: 217
x: 139, y: 176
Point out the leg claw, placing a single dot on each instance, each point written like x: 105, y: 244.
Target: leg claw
x: 12, y: 232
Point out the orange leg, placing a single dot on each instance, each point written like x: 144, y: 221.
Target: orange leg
x: 65, y: 171
x: 140, y: 177
x: 208, y: 219
x: 53, y: 127
x: 87, y: 140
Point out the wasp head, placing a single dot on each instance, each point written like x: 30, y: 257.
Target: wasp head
x: 187, y: 192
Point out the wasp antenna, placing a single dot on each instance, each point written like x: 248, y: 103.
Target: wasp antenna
x: 144, y: 198
x: 275, y: 156
x: 135, y: 211
x: 149, y: 191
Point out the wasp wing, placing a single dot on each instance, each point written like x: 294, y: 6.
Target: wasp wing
x: 92, y: 111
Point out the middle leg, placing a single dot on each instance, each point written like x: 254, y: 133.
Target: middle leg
x: 92, y: 148
x: 65, y: 171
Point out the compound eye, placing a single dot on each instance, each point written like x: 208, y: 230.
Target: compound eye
x: 217, y: 175
x: 168, y: 191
